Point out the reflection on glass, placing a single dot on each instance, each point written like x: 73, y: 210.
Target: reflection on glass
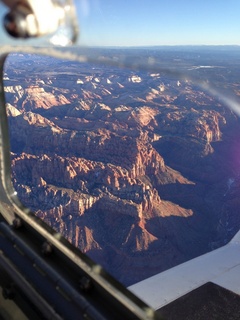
x: 137, y: 169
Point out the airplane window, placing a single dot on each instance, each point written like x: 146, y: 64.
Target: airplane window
x: 138, y: 167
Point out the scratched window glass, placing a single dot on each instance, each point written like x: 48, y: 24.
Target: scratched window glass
x: 138, y: 168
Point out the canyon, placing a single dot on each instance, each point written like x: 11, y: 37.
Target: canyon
x: 138, y: 170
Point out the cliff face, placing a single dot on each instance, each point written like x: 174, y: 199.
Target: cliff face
x: 124, y: 179
x: 201, y: 124
x: 33, y: 97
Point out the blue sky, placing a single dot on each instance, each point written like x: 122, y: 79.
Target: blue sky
x: 157, y: 22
